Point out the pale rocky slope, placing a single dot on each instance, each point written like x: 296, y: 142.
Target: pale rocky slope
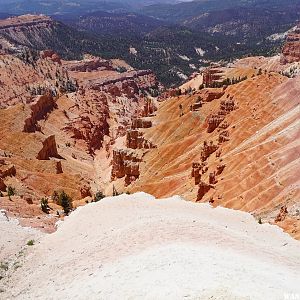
x: 137, y: 247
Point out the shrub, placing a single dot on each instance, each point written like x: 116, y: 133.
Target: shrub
x: 259, y: 220
x: 63, y: 199
x: 11, y: 191
x: 66, y: 202
x: 98, y: 196
x: 4, y: 266
x: 44, y: 205
x: 115, y: 192
x: 30, y: 243
x: 121, y: 69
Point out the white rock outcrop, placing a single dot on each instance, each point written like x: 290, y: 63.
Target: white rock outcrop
x: 137, y: 247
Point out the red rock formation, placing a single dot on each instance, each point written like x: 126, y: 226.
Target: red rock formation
x: 49, y: 149
x: 117, y: 95
x: 7, y: 170
x: 196, y: 106
x: 223, y: 137
x: 211, y: 75
x: 24, y: 21
x: 213, y: 121
x: 282, y: 214
x: 118, y: 168
x: 85, y: 191
x: 227, y: 106
x: 203, y: 190
x: 15, y: 32
x: 207, y: 150
x: 291, y: 48
x: 135, y: 140
x: 168, y: 94
x: 194, y: 167
x: 2, y: 185
x: 212, y: 178
x: 50, y: 54
x: 21, y: 82
x: 224, y: 125
x: 88, y: 64
x: 148, y: 108
x: 132, y: 172
x: 196, y: 172
x: 208, y: 95
x: 218, y: 153
x: 220, y: 169
x: 92, y: 131
x: 125, y: 163
x: 129, y: 88
x: 141, y: 123
x: 59, y: 169
x: 39, y: 109
x: 142, y: 80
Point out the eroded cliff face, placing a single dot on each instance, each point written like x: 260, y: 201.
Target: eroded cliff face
x: 40, y: 108
x: 126, y: 161
x: 49, y: 149
x: 25, y: 76
x: 88, y: 64
x: 287, y: 62
x: 211, y: 75
x: 125, y: 164
x: 135, y: 140
x: 51, y: 55
x: 107, y: 101
x: 291, y: 48
x: 86, y: 120
x: 58, y: 115
x: 14, y: 30
x: 239, y: 150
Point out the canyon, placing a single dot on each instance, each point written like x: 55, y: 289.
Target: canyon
x: 56, y: 115
x: 91, y: 125
x: 100, y: 157
x: 235, y: 146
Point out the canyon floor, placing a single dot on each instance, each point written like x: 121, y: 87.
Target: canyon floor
x: 138, y: 247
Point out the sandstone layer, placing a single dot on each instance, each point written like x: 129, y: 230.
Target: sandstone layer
x: 291, y: 49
